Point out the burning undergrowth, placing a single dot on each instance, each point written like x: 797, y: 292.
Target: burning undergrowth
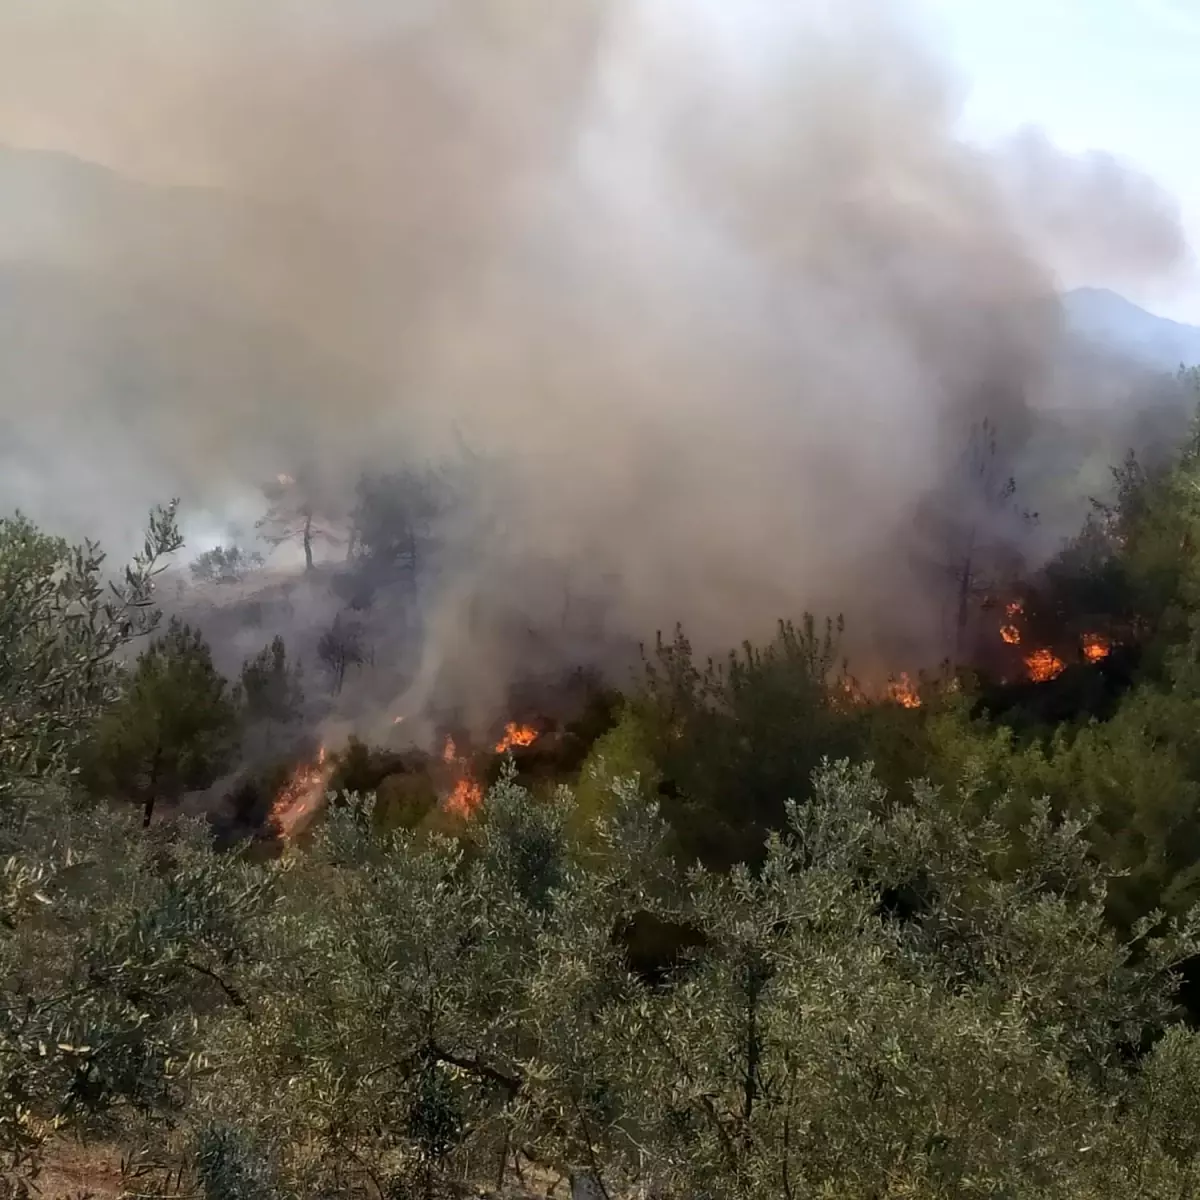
x: 415, y: 788
x: 1030, y: 659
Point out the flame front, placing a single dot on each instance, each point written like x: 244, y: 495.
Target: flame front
x: 1095, y: 647
x: 902, y: 691
x: 467, y: 795
x: 516, y: 735
x: 465, y: 799
x: 299, y: 797
x: 1044, y: 665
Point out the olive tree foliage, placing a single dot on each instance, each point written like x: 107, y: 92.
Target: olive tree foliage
x: 63, y: 624
x: 891, y: 1006
x: 422, y: 1001
x: 113, y: 946
x: 964, y: 1037
x: 115, y: 949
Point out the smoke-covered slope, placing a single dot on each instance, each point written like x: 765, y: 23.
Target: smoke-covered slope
x: 1109, y: 320
x: 105, y: 338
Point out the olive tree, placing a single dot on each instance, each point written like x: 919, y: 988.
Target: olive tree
x: 64, y: 621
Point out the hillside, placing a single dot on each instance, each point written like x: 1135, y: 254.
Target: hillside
x: 1105, y: 318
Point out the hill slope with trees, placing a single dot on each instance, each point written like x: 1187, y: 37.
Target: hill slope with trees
x: 751, y: 928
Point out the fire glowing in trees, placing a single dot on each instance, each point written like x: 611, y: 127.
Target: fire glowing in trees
x: 1095, y: 647
x: 1044, y: 665
x: 299, y: 798
x: 465, y: 799
x: 902, y: 691
x: 515, y: 735
x: 1008, y: 631
x: 466, y: 795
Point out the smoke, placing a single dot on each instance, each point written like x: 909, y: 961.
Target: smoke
x: 716, y: 285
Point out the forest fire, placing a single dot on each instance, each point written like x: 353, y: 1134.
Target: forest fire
x: 515, y: 735
x: 1044, y: 665
x: 466, y: 796
x: 902, y: 691
x: 299, y: 798
x: 1096, y: 647
x: 1009, y: 631
x: 467, y: 793
x: 465, y: 799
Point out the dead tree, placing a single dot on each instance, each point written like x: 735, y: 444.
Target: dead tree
x: 983, y: 529
x: 340, y: 648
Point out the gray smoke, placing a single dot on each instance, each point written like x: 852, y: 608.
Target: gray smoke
x: 716, y: 284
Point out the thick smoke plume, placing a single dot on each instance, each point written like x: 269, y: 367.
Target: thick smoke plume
x: 715, y: 286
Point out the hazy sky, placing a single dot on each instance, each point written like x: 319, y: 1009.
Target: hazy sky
x: 1117, y: 75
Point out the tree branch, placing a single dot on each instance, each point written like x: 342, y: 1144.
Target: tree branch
x: 235, y: 997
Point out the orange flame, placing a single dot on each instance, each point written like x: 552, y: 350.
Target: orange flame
x: 903, y: 692
x: 1095, y: 647
x: 465, y: 799
x: 467, y: 795
x: 1009, y: 631
x: 1044, y: 665
x: 515, y: 735
x: 300, y: 796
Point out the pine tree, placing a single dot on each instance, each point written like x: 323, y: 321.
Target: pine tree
x: 173, y: 730
x: 271, y: 687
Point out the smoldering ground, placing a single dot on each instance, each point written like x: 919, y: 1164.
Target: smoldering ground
x: 715, y: 286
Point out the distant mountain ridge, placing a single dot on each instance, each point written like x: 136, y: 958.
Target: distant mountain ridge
x: 1107, y: 319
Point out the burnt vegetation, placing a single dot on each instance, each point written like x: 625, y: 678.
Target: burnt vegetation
x: 735, y: 927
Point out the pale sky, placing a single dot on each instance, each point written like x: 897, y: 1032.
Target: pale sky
x: 1115, y: 75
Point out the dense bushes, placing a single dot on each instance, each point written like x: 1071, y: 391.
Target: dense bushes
x: 385, y: 1014
x: 729, y: 961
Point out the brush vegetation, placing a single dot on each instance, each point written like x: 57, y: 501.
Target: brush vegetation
x: 771, y: 939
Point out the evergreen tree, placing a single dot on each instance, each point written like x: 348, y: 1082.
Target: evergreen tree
x: 174, y: 728
x: 271, y: 687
